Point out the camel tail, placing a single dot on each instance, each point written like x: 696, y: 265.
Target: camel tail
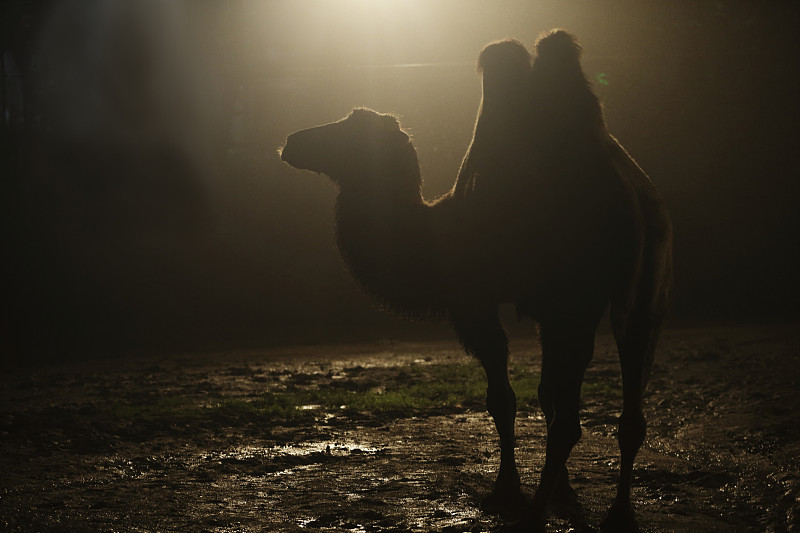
x: 638, y: 310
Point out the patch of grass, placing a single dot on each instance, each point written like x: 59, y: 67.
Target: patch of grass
x: 403, y: 392
x: 526, y: 386
x: 418, y: 391
x: 281, y: 406
x: 414, y: 389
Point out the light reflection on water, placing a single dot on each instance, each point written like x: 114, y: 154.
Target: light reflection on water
x: 327, y: 447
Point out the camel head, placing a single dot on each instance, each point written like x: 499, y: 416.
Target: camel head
x: 362, y: 148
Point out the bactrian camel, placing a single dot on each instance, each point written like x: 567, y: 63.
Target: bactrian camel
x: 549, y: 213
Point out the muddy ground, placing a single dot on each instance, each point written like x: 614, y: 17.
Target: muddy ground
x: 188, y: 442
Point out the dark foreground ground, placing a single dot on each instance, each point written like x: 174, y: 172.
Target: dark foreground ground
x: 390, y: 437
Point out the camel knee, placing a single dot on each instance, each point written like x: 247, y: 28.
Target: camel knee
x: 631, y: 434
x: 567, y: 433
x: 562, y: 435
x: 545, y: 397
x: 501, y: 402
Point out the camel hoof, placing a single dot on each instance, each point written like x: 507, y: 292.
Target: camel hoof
x: 506, y: 503
x: 620, y: 519
x: 564, y: 503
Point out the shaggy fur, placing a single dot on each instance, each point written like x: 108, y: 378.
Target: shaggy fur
x: 549, y: 212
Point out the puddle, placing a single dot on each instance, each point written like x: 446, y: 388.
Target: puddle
x: 326, y: 447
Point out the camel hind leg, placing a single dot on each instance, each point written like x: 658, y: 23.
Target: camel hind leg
x: 636, y: 332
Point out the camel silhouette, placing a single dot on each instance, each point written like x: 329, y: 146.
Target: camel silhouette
x: 549, y: 213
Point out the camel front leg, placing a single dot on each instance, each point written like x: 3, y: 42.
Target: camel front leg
x: 501, y: 402
x: 482, y: 335
x: 566, y: 351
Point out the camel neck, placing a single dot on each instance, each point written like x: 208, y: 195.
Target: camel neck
x: 386, y: 243
x: 394, y: 184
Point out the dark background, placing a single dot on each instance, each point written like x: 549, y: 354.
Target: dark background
x: 144, y: 206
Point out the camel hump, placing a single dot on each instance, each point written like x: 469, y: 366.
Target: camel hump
x: 505, y: 56
x: 558, y: 74
x: 557, y: 45
x: 505, y: 68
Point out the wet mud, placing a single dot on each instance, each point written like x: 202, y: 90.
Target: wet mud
x: 191, y: 442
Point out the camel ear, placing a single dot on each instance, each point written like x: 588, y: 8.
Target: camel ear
x: 391, y: 128
x: 399, y: 136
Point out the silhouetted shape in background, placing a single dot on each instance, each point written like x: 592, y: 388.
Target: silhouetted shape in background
x: 549, y: 213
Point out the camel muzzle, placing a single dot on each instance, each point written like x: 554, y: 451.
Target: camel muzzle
x: 289, y: 153
x: 302, y: 150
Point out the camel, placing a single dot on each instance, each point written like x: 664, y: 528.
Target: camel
x: 549, y: 213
